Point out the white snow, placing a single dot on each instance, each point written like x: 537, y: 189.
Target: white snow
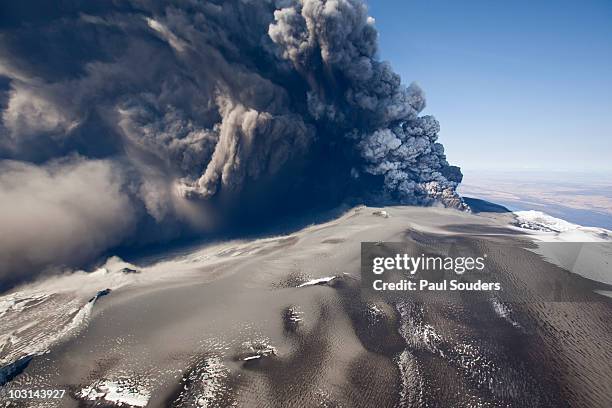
x: 317, y: 281
x: 545, y: 227
x: 121, y: 392
x: 539, y: 221
x: 257, y: 349
x: 504, y: 311
x: 565, y: 244
x: 255, y: 357
x: 33, y: 331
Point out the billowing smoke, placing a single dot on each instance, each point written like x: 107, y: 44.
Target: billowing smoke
x: 130, y: 122
x: 61, y: 212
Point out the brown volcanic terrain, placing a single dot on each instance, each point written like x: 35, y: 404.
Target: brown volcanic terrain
x: 283, y: 322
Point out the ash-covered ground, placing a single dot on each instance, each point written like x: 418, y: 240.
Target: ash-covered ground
x: 283, y: 321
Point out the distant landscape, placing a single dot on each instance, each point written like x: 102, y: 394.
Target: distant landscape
x: 581, y: 198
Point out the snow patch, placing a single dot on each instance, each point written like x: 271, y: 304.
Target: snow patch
x: 417, y: 334
x: 32, y: 333
x: 504, y: 311
x: 319, y: 281
x: 120, y: 392
x: 585, y: 251
x: 256, y: 349
x: 539, y: 221
x: 548, y: 228
x: 205, y: 384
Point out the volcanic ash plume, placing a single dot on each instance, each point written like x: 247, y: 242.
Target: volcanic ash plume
x: 187, y: 114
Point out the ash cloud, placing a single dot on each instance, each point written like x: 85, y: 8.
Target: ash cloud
x: 62, y: 213
x: 191, y: 117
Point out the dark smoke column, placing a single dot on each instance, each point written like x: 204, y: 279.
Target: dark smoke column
x: 177, y: 118
x: 332, y: 44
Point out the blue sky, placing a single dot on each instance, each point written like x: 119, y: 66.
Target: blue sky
x: 514, y: 84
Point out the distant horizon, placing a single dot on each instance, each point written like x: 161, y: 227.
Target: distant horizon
x: 583, y: 198
x: 471, y: 170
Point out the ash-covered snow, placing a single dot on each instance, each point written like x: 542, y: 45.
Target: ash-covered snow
x: 122, y: 392
x: 256, y: 349
x: 204, y: 385
x: 504, y: 311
